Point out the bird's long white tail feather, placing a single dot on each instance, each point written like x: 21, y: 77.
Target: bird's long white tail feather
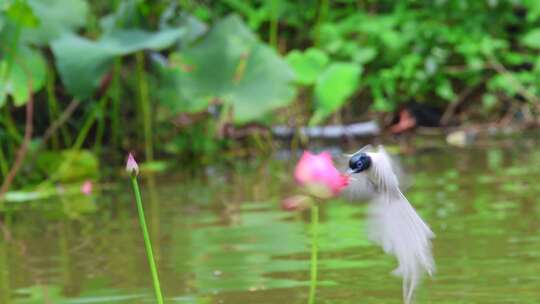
x: 396, y: 227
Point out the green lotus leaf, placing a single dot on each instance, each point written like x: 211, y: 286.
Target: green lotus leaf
x: 27, y: 67
x: 229, y: 66
x: 307, y: 65
x: 334, y: 86
x: 54, y: 18
x: 83, y: 63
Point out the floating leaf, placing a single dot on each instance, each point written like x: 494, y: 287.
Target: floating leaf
x: 232, y: 67
x: 25, y: 196
x: 82, y: 63
x: 307, y: 65
x: 334, y: 87
x: 27, y: 67
x: 39, y: 294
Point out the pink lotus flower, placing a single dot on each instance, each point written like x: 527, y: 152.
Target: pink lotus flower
x: 86, y: 187
x: 319, y: 176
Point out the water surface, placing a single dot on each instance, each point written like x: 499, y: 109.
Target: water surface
x: 220, y: 237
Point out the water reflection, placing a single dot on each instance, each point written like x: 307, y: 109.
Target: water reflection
x: 221, y: 238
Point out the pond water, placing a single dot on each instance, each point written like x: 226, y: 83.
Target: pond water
x: 220, y: 237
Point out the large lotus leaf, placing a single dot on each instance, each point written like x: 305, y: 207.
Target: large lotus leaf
x: 335, y: 85
x: 27, y: 67
x: 168, y: 84
x: 194, y: 27
x: 82, y: 63
x: 55, y: 17
x: 229, y: 65
x: 307, y: 65
x: 265, y: 86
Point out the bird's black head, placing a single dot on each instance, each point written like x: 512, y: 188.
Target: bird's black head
x: 359, y: 162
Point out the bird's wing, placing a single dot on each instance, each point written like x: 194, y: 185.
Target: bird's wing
x: 381, y: 171
x: 396, y: 227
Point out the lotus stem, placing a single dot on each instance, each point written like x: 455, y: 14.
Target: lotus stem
x: 147, y: 243
x: 274, y: 24
x: 100, y: 128
x: 4, y: 167
x: 54, y: 112
x: 314, y: 249
x: 116, y: 95
x: 145, y: 107
x: 322, y: 12
x: 87, y: 124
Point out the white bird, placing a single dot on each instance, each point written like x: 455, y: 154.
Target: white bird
x: 392, y: 221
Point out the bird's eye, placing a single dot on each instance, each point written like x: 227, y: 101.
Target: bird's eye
x: 359, y: 162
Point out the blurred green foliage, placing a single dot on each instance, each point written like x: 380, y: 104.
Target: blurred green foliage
x: 186, y: 71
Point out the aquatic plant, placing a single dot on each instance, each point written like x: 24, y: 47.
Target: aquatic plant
x: 133, y: 170
x: 319, y: 180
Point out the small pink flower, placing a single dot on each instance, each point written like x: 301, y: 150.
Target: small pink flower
x: 131, y: 166
x: 86, y: 187
x: 319, y: 175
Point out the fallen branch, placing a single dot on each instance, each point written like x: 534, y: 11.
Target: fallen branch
x: 61, y: 120
x: 520, y: 88
x: 361, y: 129
x: 451, y: 109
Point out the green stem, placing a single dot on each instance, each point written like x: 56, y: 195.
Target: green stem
x: 116, y: 95
x: 100, y: 129
x: 144, y: 100
x: 147, y: 244
x: 53, y: 109
x: 4, y: 166
x: 85, y: 128
x: 274, y: 24
x: 53, y: 105
x: 321, y: 16
x: 314, y: 249
x: 11, y: 127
